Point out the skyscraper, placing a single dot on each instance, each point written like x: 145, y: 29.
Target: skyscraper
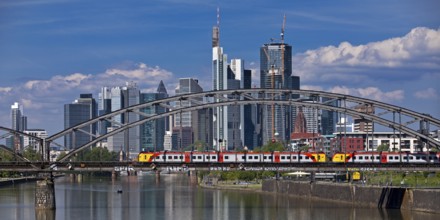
x: 79, y: 111
x: 152, y: 132
x: 123, y: 97
x: 190, y: 121
x: 275, y: 72
x: 226, y: 119
x: 104, y: 107
x: 19, y: 123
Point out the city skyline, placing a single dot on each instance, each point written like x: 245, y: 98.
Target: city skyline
x: 47, y: 58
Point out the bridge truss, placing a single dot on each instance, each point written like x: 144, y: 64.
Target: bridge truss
x: 405, y: 121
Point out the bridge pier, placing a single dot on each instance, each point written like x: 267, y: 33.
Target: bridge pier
x: 45, y: 194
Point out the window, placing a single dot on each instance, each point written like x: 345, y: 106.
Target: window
x: 256, y: 157
x: 158, y: 157
x: 390, y: 157
x: 181, y: 157
x: 396, y: 157
x: 163, y: 157
x: 288, y: 157
x: 193, y: 157
x: 226, y: 157
x: 176, y: 157
x: 214, y: 157
x: 243, y: 157
x: 294, y: 157
x: 265, y: 157
x: 405, y: 157
x: 307, y: 157
x: 170, y: 157
x: 377, y: 158
x: 270, y: 157
x: 283, y: 157
x: 199, y: 157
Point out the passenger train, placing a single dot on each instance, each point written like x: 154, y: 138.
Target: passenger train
x: 231, y: 157
x: 286, y: 157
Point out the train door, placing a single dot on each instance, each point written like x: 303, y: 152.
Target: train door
x: 383, y: 158
x: 220, y: 157
x: 187, y: 157
x: 276, y: 157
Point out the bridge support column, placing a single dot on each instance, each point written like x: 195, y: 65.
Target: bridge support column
x: 157, y: 175
x: 45, y: 194
x: 193, y: 176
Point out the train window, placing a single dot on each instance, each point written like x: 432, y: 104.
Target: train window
x: 163, y: 157
x: 283, y: 157
x: 199, y: 157
x: 411, y: 158
x: 176, y: 157
x: 226, y: 157
x: 256, y: 157
x: 288, y: 157
x: 301, y: 157
x: 193, y: 157
x: 214, y: 157
x: 294, y: 157
x: 158, y: 157
x: 396, y: 157
x: 417, y: 158
x: 390, y: 157
x: 313, y: 157
x: 377, y: 158
x: 181, y: 157
x: 270, y: 157
x: 250, y: 157
x: 405, y: 157
x: 307, y: 157
x: 243, y: 157
x: 265, y: 157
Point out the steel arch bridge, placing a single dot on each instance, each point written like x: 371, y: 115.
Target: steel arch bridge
x: 386, y: 113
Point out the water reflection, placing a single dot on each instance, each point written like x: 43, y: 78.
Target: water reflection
x: 174, y: 197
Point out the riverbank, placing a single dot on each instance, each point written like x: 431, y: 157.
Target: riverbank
x: 425, y: 200
x: 228, y: 185
x: 13, y: 181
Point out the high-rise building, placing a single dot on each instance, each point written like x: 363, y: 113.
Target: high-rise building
x: 81, y: 110
x: 225, y: 129
x: 190, y: 121
x: 328, y: 118
x: 19, y: 123
x: 104, y: 107
x: 152, y: 133
x: 275, y: 72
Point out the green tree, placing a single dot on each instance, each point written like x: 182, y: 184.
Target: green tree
x: 31, y: 154
x: 383, y: 147
x: 97, y: 154
x: 273, y: 146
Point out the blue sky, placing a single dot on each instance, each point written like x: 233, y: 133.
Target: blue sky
x: 53, y: 50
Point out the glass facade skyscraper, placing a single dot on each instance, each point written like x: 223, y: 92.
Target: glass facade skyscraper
x: 275, y: 72
x: 79, y: 111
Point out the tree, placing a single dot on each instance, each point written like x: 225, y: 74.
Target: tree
x: 273, y: 146
x: 383, y: 147
x: 98, y: 154
x: 31, y: 154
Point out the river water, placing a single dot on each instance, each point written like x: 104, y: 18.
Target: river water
x: 174, y: 197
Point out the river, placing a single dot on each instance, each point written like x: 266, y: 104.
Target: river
x: 174, y: 197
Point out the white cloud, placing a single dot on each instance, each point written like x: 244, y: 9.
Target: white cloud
x: 370, y: 93
x: 429, y: 93
x: 420, y: 48
x: 5, y: 89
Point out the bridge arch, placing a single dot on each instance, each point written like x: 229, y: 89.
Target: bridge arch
x: 266, y: 97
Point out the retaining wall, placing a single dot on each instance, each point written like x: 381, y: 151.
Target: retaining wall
x: 371, y: 196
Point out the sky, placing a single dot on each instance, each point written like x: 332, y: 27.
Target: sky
x: 53, y: 50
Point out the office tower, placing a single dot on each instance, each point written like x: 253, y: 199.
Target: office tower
x: 152, y: 133
x: 328, y: 118
x: 275, y: 72
x: 226, y: 119
x: 81, y: 110
x: 123, y: 97
x: 104, y: 107
x: 189, y: 121
x: 19, y: 123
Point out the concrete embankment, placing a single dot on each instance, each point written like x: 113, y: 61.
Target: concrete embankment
x: 12, y: 181
x: 359, y: 195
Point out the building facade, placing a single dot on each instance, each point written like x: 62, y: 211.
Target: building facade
x: 81, y: 110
